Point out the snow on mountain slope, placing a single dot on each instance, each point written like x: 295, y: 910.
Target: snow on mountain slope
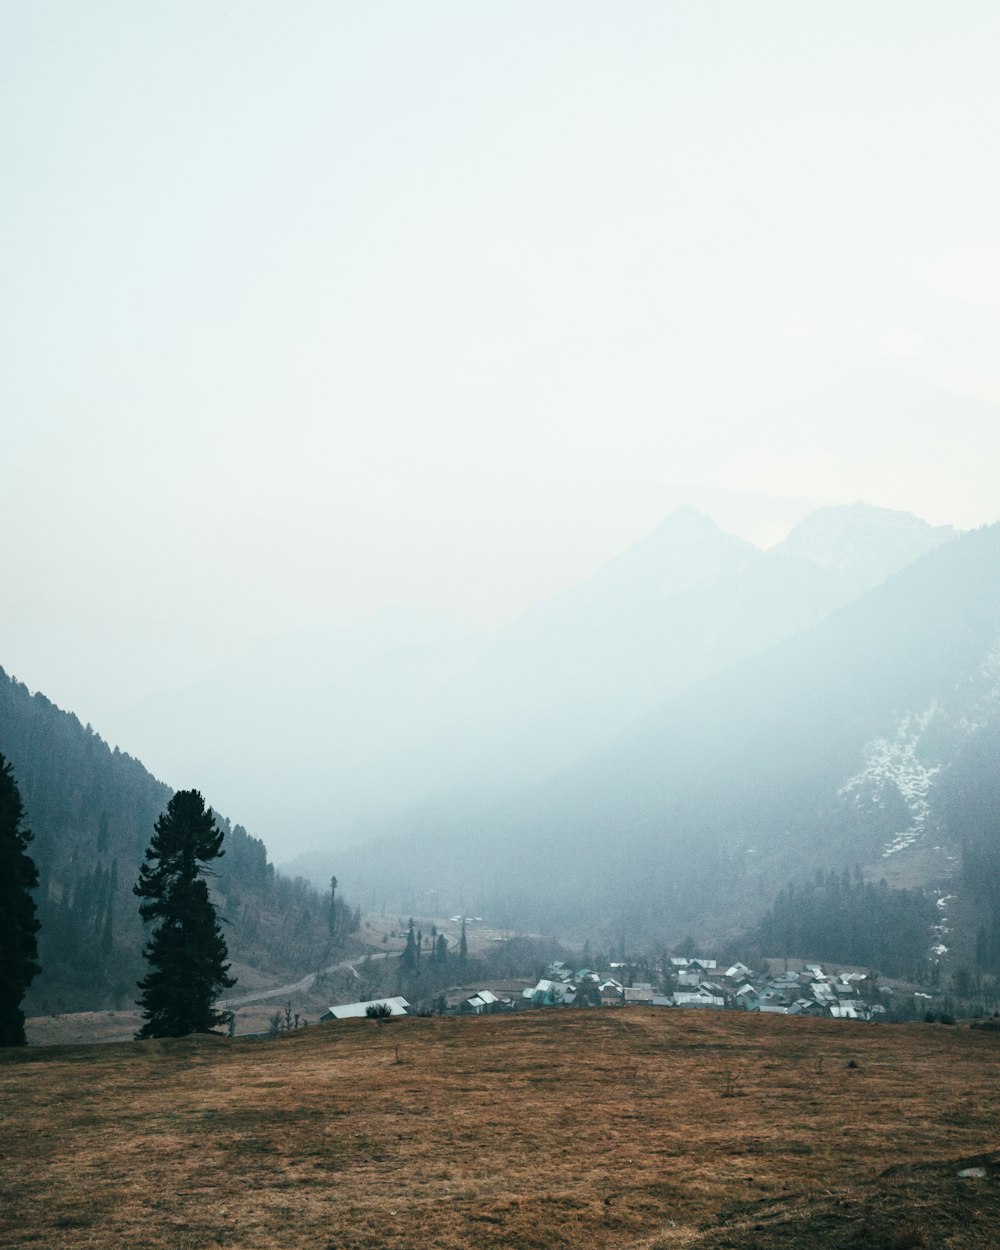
x: 871, y: 732
x: 894, y: 770
x: 903, y: 769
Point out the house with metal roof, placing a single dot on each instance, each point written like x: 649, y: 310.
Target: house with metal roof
x: 747, y: 996
x: 612, y: 993
x: 846, y: 1011
x: 549, y: 993
x: 483, y: 1003
x: 351, y: 1011
x: 698, y: 998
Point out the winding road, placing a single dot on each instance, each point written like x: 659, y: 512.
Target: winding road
x: 298, y: 987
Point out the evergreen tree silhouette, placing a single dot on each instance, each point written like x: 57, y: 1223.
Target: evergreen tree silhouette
x: 18, y: 925
x: 187, y: 953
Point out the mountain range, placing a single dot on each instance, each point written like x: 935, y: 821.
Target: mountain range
x: 359, y: 724
x: 866, y: 739
x: 836, y: 744
x: 655, y: 751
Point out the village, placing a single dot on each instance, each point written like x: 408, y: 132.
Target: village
x: 786, y: 987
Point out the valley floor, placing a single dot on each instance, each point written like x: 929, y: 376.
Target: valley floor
x: 584, y: 1128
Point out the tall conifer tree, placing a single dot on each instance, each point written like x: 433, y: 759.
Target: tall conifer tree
x: 409, y: 956
x: 333, y: 907
x: 18, y: 925
x: 186, y: 954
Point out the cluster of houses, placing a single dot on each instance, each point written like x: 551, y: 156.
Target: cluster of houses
x: 694, y: 982
x: 811, y: 991
x: 698, y: 982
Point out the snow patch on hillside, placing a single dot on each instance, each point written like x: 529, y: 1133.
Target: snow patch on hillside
x: 897, y: 768
x: 893, y: 765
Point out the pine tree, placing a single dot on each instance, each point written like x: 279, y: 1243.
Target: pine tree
x: 463, y: 945
x: 18, y: 925
x: 409, y: 956
x: 187, y: 953
x: 333, y: 907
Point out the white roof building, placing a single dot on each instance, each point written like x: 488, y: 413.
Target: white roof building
x: 478, y: 1003
x: 846, y: 1011
x: 683, y: 999
x: 352, y: 1011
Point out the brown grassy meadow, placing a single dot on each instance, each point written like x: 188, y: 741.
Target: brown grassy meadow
x: 638, y: 1128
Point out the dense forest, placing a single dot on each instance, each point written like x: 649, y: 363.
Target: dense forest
x: 92, y: 810
x: 971, y: 794
x: 841, y: 919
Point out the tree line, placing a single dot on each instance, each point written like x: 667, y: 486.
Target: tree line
x: 840, y: 918
x: 92, y: 809
x: 186, y: 954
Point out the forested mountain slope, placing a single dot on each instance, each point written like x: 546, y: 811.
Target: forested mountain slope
x: 833, y: 748
x: 556, y: 684
x: 687, y: 602
x: 91, y: 810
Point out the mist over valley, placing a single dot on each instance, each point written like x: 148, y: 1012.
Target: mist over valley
x: 500, y: 635
x: 658, y: 753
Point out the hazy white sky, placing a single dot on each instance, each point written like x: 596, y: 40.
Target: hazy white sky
x: 310, y: 308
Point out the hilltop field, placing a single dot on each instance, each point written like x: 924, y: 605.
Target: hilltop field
x: 640, y: 1128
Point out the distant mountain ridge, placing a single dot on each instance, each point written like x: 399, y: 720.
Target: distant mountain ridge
x: 570, y: 673
x: 658, y: 743
x: 839, y: 746
x: 864, y: 544
x: 686, y: 549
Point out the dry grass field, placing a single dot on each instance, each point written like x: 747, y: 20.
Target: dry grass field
x: 640, y: 1128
